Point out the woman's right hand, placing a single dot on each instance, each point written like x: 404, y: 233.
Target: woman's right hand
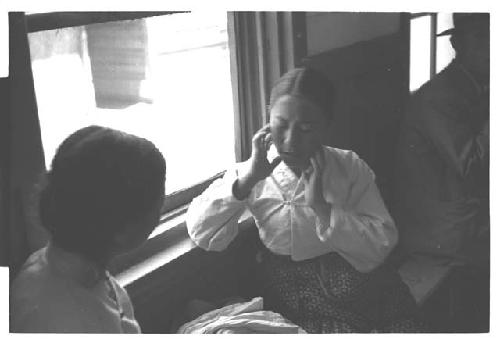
x: 260, y: 168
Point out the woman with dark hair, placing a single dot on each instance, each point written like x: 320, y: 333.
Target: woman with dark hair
x: 325, y: 228
x: 101, y: 198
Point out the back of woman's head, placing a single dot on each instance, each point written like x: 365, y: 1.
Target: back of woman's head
x: 101, y: 181
x: 306, y: 83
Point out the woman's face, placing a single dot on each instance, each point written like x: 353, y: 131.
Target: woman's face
x: 298, y: 129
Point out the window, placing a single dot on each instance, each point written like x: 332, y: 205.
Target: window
x: 166, y: 78
x: 424, y: 42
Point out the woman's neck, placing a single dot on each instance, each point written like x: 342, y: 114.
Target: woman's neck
x: 76, y: 266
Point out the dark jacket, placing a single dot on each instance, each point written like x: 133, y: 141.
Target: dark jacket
x: 441, y: 192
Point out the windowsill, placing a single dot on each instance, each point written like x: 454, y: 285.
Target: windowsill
x: 170, y: 221
x: 168, y: 242
x: 156, y: 261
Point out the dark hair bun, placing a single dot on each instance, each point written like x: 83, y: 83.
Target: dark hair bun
x: 307, y: 83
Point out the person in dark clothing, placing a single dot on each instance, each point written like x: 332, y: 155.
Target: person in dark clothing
x: 441, y: 192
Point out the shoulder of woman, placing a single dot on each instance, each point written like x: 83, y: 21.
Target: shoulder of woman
x: 43, y: 313
x: 349, y: 161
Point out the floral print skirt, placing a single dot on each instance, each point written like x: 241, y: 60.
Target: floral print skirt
x: 327, y: 295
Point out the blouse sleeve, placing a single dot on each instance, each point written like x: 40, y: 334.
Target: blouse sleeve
x: 360, y: 229
x: 212, y: 218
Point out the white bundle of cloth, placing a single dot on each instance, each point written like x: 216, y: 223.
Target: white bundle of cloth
x: 247, y: 317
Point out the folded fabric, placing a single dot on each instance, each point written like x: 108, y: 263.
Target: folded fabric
x: 248, y: 317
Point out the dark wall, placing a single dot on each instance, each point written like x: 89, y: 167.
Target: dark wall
x: 371, y: 80
x: 4, y: 156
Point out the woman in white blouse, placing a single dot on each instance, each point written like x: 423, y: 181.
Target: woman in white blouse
x: 319, y: 214
x: 102, y: 197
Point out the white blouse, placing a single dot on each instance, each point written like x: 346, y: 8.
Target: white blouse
x: 360, y: 227
x: 58, y: 292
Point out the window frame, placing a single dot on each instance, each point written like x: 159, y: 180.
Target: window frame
x: 56, y: 20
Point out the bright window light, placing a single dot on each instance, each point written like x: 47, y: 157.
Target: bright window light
x: 444, y: 52
x: 166, y: 78
x: 420, y: 51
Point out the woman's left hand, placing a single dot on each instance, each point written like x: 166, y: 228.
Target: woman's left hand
x: 314, y: 183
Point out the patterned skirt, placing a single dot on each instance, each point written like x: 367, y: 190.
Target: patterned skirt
x: 327, y: 295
